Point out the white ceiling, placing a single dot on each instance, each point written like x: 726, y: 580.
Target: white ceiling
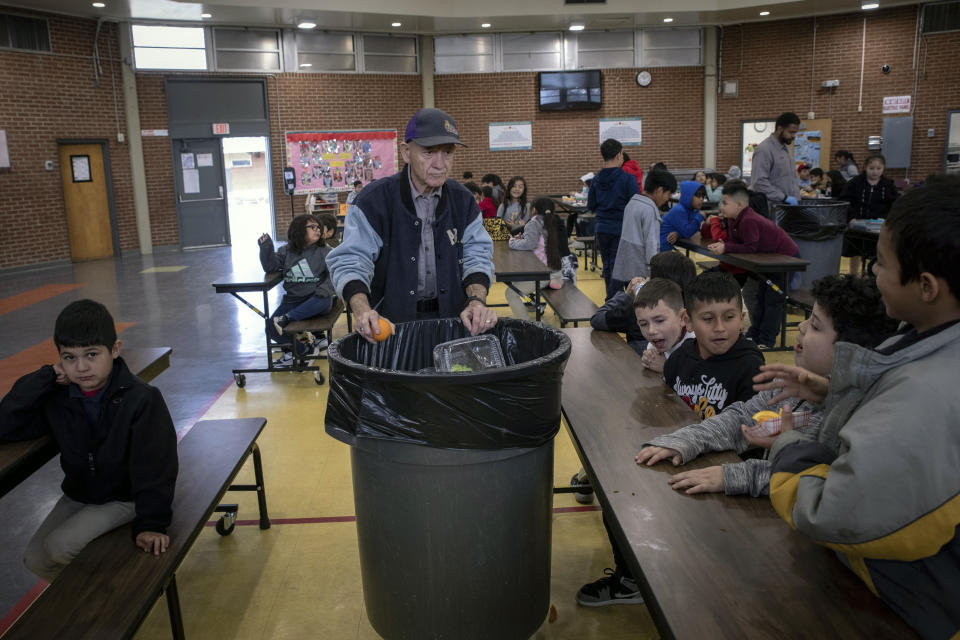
x: 450, y: 16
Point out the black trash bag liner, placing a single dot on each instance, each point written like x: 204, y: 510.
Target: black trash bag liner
x: 813, y: 219
x: 377, y: 392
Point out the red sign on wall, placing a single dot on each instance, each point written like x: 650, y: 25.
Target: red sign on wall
x: 221, y: 128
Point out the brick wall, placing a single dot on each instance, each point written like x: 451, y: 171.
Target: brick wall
x: 50, y: 97
x: 44, y: 98
x: 566, y: 144
x: 772, y: 62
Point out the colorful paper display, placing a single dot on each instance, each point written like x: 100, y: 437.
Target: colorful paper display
x: 331, y: 160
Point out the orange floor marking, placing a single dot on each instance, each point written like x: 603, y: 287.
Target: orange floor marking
x: 34, y: 296
x: 32, y: 358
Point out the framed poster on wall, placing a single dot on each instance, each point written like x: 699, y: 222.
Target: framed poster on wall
x: 332, y: 160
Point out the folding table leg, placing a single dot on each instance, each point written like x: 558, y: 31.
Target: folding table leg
x: 261, y: 490
x: 173, y: 607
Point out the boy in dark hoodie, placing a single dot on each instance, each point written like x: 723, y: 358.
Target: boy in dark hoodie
x: 118, y: 446
x: 609, y: 192
x: 717, y: 368
x: 684, y: 219
x: 749, y: 232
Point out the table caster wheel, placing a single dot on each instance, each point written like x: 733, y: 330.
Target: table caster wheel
x: 318, y: 377
x: 226, y: 523
x: 240, y: 379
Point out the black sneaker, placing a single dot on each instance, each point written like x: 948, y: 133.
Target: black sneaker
x: 578, y: 479
x: 613, y: 588
x: 279, y: 322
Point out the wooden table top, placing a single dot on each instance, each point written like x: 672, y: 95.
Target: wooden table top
x: 242, y: 283
x: 521, y: 266
x: 709, y: 566
x: 20, y: 459
x: 107, y: 591
x: 755, y: 262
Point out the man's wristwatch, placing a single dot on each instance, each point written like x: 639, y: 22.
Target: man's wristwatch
x: 470, y: 299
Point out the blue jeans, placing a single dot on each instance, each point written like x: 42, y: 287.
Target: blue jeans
x: 298, y: 309
x: 607, y: 245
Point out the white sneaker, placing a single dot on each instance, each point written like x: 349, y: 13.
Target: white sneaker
x: 316, y: 348
x: 285, y: 360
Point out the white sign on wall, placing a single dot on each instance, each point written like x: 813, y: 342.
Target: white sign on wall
x: 4, y: 151
x: 626, y: 130
x: 511, y: 135
x: 896, y: 104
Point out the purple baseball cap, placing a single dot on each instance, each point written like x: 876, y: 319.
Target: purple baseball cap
x: 430, y: 127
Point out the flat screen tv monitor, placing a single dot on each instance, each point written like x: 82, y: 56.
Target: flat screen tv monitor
x: 570, y: 90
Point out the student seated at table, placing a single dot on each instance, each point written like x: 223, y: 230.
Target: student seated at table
x: 870, y: 194
x: 545, y: 235
x: 817, y: 180
x: 640, y: 237
x: 714, y: 187
x: 716, y: 369
x: 880, y: 485
x: 845, y: 309
x: 617, y: 313
x: 495, y: 183
x: 749, y: 232
x: 357, y: 188
x: 484, y: 198
x: 684, y: 218
x: 118, y: 446
x: 515, y: 210
x: 308, y: 291
x: 658, y: 306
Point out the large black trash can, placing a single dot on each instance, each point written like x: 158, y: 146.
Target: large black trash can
x: 817, y: 226
x: 452, y: 477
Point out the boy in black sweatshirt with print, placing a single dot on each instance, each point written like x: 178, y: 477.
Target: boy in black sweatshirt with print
x: 118, y: 446
x: 717, y: 368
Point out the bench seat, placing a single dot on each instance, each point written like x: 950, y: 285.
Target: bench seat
x: 109, y: 589
x: 569, y: 303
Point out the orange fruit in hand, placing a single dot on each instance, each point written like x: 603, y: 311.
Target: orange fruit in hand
x: 386, y: 330
x: 761, y: 416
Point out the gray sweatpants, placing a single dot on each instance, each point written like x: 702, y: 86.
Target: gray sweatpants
x: 67, y: 529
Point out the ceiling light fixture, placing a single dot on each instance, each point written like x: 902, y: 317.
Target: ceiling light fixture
x: 99, y: 5
x: 764, y: 13
x: 304, y: 65
x: 668, y: 19
x: 396, y: 24
x: 576, y: 27
x: 870, y: 5
x: 485, y: 25
x: 306, y: 24
x: 206, y: 15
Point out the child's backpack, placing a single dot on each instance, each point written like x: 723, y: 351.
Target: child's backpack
x: 497, y: 228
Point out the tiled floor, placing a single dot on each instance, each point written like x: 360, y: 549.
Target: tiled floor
x: 295, y: 580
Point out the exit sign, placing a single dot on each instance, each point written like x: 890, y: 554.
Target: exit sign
x: 221, y: 128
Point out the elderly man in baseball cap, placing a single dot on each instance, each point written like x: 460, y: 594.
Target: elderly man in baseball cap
x: 414, y: 246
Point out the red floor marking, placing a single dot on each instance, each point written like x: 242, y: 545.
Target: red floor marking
x: 206, y: 407
x: 324, y: 520
x: 14, y: 614
x: 34, y: 296
x: 32, y: 358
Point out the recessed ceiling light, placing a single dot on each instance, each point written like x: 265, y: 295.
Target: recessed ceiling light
x: 870, y: 5
x: 576, y: 27
x: 304, y: 65
x: 99, y: 5
x: 206, y: 15
x: 485, y: 25
x: 396, y: 24
x: 668, y: 19
x: 764, y: 13
x: 306, y: 24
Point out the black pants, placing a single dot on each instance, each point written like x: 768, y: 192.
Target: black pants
x: 765, y: 307
x: 620, y: 564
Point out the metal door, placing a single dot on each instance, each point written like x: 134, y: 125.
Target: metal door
x: 201, y: 201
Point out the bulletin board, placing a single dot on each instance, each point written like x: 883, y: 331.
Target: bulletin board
x: 333, y: 160
x: 811, y: 146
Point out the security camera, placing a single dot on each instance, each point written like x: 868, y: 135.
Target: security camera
x: 885, y: 68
